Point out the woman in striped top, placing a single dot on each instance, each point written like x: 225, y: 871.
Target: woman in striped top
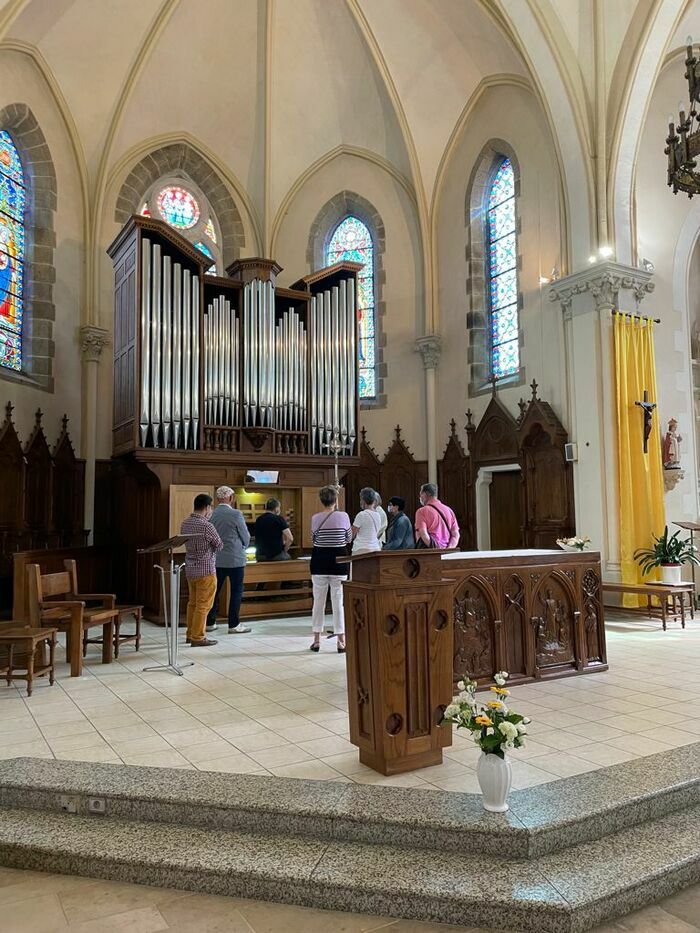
x: 330, y: 534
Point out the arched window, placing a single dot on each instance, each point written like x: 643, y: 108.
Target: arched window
x: 351, y: 241
x: 180, y: 204
x: 12, y: 253
x: 502, y: 273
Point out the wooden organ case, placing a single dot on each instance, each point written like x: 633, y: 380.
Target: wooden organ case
x: 218, y: 375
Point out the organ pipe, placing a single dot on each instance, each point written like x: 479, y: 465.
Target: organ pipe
x: 262, y: 365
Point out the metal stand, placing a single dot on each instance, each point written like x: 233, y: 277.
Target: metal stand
x: 171, y: 606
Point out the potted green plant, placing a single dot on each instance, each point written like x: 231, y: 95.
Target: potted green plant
x: 669, y: 553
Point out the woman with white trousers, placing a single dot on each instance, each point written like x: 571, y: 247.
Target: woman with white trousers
x: 330, y: 533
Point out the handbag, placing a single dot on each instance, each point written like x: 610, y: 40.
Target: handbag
x: 420, y: 543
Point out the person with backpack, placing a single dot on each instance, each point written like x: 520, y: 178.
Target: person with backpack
x: 436, y: 524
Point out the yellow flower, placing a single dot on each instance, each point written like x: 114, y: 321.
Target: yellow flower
x: 483, y: 721
x: 495, y: 704
x: 501, y: 691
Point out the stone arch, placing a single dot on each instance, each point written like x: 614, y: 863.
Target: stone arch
x: 331, y: 214
x: 486, y: 165
x: 177, y: 159
x: 40, y: 244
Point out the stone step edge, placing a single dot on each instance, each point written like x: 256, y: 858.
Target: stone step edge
x: 330, y: 810
x: 419, y: 885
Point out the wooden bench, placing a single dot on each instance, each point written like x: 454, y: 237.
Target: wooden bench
x: 663, y: 592
x: 27, y: 639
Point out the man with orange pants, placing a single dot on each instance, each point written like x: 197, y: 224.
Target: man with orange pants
x: 200, y: 569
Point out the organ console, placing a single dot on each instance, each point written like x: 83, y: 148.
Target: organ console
x: 218, y: 375
x: 230, y: 363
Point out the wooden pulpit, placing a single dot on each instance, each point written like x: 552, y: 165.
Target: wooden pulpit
x: 398, y: 621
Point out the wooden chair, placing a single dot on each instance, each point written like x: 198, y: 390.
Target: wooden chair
x: 54, y: 600
x: 27, y: 640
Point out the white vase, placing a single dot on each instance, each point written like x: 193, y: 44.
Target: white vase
x: 671, y: 574
x: 495, y: 776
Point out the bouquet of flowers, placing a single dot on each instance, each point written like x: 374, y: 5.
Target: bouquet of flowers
x: 577, y: 543
x: 495, y: 728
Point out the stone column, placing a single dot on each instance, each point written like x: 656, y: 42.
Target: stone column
x: 93, y: 340
x: 586, y: 299
x: 429, y: 348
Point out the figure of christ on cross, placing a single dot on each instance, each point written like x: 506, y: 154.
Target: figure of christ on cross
x: 648, y: 408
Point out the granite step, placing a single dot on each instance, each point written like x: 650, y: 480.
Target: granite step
x: 542, y: 819
x: 563, y: 892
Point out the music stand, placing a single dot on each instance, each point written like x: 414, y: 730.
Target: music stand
x: 171, y: 613
x: 692, y: 527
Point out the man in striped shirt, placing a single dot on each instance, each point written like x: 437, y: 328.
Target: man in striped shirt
x: 200, y: 569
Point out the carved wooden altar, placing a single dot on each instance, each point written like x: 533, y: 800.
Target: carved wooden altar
x: 537, y: 615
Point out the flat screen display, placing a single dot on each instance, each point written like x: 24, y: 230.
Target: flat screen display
x: 262, y: 476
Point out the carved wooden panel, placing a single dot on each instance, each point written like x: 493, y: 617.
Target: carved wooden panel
x: 474, y: 635
x: 12, y: 475
x: 38, y: 484
x: 495, y: 439
x: 455, y: 486
x: 554, y: 621
x: 69, y: 491
x: 592, y: 615
x: 515, y: 623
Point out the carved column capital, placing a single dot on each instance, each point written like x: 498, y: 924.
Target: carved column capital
x: 93, y: 340
x: 603, y: 281
x: 429, y: 348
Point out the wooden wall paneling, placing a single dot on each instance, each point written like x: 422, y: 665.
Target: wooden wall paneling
x: 367, y: 473
x: 38, y: 486
x: 400, y: 474
x: 454, y: 486
x: 548, y: 478
x: 12, y: 476
x: 475, y: 616
x: 69, y: 492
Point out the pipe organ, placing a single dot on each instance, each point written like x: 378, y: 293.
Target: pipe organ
x: 230, y: 363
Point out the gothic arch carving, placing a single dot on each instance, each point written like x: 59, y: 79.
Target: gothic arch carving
x: 182, y: 159
x: 325, y: 222
x: 480, y: 180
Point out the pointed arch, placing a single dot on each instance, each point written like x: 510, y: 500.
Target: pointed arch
x: 341, y: 207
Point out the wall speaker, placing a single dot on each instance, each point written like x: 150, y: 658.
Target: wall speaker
x: 571, y: 453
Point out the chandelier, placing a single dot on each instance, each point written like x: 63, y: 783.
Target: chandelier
x: 683, y: 140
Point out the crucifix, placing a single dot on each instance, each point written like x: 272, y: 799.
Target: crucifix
x: 335, y: 447
x: 648, y: 408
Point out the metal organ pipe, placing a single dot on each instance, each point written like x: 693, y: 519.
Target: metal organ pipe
x: 186, y: 356
x: 167, y: 348
x: 351, y: 350
x: 156, y: 335
x: 177, y: 353
x: 195, y: 363
x: 145, y: 412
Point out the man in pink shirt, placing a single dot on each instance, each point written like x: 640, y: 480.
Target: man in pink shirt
x: 436, y: 525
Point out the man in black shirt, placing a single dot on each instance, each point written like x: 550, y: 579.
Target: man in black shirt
x: 272, y: 535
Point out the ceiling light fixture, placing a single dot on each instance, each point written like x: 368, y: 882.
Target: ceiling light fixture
x: 683, y: 140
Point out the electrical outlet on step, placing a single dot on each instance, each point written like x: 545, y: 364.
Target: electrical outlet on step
x: 97, y: 805
x: 69, y: 804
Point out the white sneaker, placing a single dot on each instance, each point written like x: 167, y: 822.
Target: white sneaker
x: 212, y: 628
x: 240, y: 629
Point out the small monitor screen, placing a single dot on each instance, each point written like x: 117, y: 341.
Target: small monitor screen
x: 262, y: 476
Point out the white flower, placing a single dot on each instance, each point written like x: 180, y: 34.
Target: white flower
x: 489, y: 731
x: 508, y: 730
x: 461, y: 685
x: 501, y: 677
x: 526, y: 721
x: 522, y: 730
x: 451, y: 710
x: 509, y: 744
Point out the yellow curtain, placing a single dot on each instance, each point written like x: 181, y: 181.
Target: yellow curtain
x: 640, y: 476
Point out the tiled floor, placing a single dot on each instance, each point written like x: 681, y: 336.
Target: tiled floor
x: 31, y: 902
x: 263, y: 704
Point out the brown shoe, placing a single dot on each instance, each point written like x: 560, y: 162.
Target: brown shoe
x: 204, y: 643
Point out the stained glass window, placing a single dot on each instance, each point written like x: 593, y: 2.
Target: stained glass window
x: 178, y: 207
x: 12, y: 204
x: 502, y: 273
x: 352, y: 241
x: 203, y: 248
x: 210, y: 231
